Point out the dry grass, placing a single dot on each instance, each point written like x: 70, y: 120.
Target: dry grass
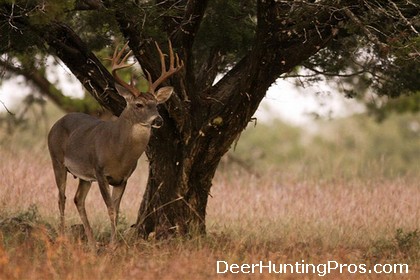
x: 278, y: 217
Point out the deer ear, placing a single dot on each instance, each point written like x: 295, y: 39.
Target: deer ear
x: 123, y: 91
x: 163, y: 94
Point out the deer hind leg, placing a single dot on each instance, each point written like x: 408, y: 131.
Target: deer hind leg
x: 60, y: 173
x: 79, y: 200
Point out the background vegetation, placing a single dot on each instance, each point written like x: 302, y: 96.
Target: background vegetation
x: 354, y: 147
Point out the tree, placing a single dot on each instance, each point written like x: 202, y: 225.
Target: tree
x: 251, y: 42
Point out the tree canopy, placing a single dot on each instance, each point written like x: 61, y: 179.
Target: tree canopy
x: 376, y: 45
x: 358, y: 44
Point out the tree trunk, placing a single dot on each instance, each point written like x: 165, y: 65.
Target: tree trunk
x: 182, y: 166
x: 180, y: 177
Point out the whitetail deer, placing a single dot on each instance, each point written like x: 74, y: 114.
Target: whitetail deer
x: 107, y: 151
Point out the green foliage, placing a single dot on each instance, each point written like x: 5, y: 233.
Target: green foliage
x: 87, y: 104
x: 403, y: 76
x: 404, y: 245
x: 98, y: 29
x: 266, y: 145
x: 382, y: 58
x: 355, y: 147
x: 13, y: 25
x: 27, y: 126
x: 408, y: 242
x: 385, y: 53
x: 48, y: 11
x: 25, y: 227
x: 407, y: 103
x: 228, y: 28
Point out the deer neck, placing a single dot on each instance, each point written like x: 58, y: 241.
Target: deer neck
x: 130, y: 132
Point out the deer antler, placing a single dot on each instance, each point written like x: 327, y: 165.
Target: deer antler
x: 173, y: 68
x: 118, y: 63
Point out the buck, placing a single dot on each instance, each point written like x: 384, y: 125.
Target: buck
x: 107, y: 151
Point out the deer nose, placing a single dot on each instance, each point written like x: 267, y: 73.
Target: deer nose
x: 157, y: 122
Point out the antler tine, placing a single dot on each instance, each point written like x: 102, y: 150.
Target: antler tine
x: 118, y: 63
x: 162, y: 58
x: 149, y: 77
x: 173, y: 66
x: 117, y: 56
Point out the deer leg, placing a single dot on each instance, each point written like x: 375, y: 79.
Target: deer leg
x: 117, y: 193
x: 104, y: 188
x: 60, y: 173
x: 79, y: 200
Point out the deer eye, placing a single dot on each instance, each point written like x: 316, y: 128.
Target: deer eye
x: 139, y: 105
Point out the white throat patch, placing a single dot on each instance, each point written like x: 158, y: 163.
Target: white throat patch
x: 140, y: 130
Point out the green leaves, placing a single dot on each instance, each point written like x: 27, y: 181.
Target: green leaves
x: 50, y: 10
x: 143, y: 84
x: 228, y: 28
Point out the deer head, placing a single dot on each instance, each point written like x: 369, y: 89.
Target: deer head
x: 141, y: 106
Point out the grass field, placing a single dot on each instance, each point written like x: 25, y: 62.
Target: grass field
x: 280, y: 214
x: 250, y: 219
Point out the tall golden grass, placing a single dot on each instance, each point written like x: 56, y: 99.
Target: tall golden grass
x: 278, y: 216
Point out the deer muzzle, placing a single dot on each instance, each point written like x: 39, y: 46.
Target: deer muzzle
x: 157, y: 122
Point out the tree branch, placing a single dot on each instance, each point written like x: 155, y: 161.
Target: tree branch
x: 184, y: 36
x: 82, y: 5
x: 406, y: 21
x: 366, y: 31
x: 84, y: 65
x: 280, y: 45
x: 185, y: 32
x: 49, y: 90
x: 209, y: 70
x: 324, y: 73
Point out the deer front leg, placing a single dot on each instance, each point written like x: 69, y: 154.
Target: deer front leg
x: 79, y: 200
x: 104, y: 188
x: 117, y: 193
